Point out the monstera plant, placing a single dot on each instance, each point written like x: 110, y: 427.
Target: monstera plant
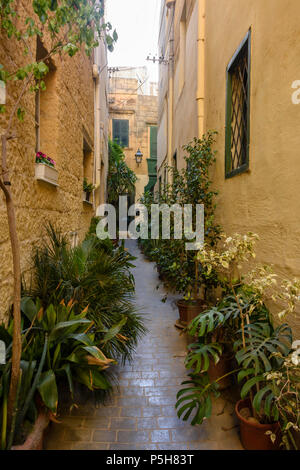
x: 242, y: 323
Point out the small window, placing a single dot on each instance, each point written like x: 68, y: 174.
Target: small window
x: 175, y: 160
x: 237, y: 110
x: 153, y: 141
x: 88, y: 162
x: 121, y: 132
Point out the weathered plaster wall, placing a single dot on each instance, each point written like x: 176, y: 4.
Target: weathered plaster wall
x: 141, y: 111
x: 177, y: 107
x: 185, y: 104
x: 264, y: 200
x: 38, y: 203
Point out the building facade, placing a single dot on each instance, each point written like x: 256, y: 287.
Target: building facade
x: 233, y: 67
x: 133, y: 122
x: 69, y: 123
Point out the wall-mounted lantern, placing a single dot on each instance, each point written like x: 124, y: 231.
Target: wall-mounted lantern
x: 138, y: 157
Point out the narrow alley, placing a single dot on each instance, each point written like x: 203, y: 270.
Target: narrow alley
x: 141, y: 414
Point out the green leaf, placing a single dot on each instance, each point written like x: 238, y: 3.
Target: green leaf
x: 48, y: 390
x: 57, y: 330
x: 244, y: 373
x: 260, y: 396
x: 67, y: 369
x: 92, y: 379
x: 29, y: 308
x: 20, y: 114
x: 114, y: 330
x: 51, y: 317
x: 249, y: 384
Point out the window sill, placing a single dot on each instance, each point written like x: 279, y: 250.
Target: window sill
x: 85, y: 199
x: 46, y: 174
x: 238, y: 171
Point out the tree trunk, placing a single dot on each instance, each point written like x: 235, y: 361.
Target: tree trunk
x: 17, y: 341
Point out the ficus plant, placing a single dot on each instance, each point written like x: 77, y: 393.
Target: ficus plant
x: 65, y: 27
x: 192, y: 185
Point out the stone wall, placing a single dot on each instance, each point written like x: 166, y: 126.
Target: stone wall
x: 141, y: 110
x: 67, y: 116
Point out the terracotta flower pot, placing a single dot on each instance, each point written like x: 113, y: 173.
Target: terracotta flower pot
x: 223, y: 367
x: 189, y: 310
x: 253, y: 435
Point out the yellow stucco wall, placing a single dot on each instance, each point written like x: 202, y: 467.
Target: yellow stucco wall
x: 141, y: 110
x: 71, y: 116
x: 265, y: 199
x: 177, y: 108
x: 185, y: 105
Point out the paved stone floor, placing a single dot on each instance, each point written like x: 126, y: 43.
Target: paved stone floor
x: 141, y: 413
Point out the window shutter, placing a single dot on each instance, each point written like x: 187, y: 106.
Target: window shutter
x: 153, y: 142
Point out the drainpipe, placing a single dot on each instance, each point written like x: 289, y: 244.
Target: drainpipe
x: 201, y: 68
x: 171, y: 5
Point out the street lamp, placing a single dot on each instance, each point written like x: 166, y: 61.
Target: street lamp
x: 138, y: 157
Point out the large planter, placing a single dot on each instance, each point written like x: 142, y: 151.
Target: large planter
x: 189, y: 310
x: 46, y: 173
x: 253, y: 435
x: 223, y: 367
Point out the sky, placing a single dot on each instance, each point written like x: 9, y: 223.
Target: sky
x: 137, y: 24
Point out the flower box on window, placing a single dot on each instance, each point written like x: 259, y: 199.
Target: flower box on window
x: 45, y: 169
x: 44, y: 172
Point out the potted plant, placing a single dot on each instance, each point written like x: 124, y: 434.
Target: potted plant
x: 260, y: 348
x: 212, y: 353
x: 257, y: 411
x: 188, y: 281
x: 88, y: 188
x: 179, y: 267
x: 284, y: 384
x: 56, y: 342
x: 45, y: 169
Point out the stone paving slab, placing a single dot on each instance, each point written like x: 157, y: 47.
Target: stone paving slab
x: 141, y: 414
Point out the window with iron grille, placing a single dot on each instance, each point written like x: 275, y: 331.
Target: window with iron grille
x: 237, y: 110
x: 121, y: 132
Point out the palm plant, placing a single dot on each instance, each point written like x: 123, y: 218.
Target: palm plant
x: 95, y: 275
